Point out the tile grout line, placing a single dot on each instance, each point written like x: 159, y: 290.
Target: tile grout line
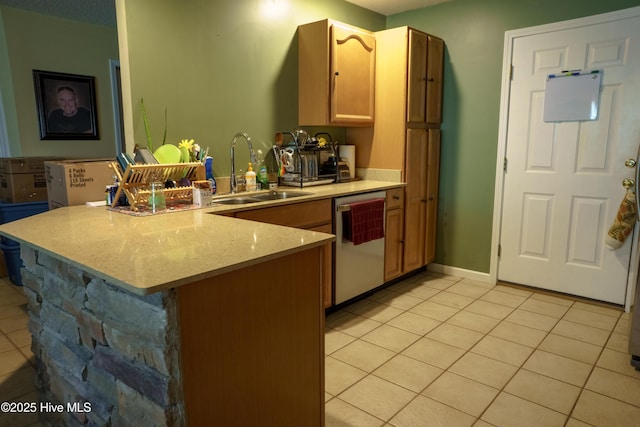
x: 502, y: 389
x: 397, y: 353
x: 514, y: 308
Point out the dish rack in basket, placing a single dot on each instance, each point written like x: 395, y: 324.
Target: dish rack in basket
x: 135, y: 180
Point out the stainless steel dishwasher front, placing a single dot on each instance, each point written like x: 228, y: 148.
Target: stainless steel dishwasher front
x: 358, y: 268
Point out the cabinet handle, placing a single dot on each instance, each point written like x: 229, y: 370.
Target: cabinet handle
x: 431, y: 198
x: 430, y: 79
x: 396, y: 197
x: 337, y: 73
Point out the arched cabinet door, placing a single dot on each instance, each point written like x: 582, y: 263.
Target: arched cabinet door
x: 336, y: 75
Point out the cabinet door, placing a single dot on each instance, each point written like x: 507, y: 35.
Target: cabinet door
x: 433, y: 181
x: 394, y: 226
x: 352, y: 74
x: 315, y: 216
x: 435, y: 61
x: 326, y: 267
x: 417, y: 77
x: 298, y: 215
x: 415, y: 199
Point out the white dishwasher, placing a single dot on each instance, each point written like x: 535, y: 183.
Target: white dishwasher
x: 358, y: 267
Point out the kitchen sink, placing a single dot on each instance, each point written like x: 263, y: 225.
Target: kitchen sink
x: 239, y: 200
x: 261, y: 197
x: 279, y: 195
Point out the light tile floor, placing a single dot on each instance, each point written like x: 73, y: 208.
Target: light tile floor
x: 437, y: 350
x: 16, y: 359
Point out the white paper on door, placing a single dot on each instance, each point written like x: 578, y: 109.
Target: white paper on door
x: 572, y: 96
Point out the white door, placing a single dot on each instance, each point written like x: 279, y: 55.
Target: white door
x: 563, y: 180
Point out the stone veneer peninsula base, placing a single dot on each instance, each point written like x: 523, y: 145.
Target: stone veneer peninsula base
x: 243, y: 348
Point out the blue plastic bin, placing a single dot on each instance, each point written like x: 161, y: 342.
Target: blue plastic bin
x: 13, y: 262
x: 10, y: 248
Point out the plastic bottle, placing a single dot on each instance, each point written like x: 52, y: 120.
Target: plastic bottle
x: 208, y: 167
x: 261, y: 175
x: 250, y: 178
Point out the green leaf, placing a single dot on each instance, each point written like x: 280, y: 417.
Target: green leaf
x: 147, y: 130
x: 164, y: 137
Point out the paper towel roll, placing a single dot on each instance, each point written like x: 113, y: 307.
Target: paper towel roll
x: 348, y: 153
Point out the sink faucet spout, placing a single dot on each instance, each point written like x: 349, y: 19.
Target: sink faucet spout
x: 233, y: 182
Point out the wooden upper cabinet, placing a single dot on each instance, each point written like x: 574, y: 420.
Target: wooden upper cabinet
x: 353, y: 62
x: 336, y: 75
x: 417, y: 77
x: 435, y: 64
x: 424, y: 78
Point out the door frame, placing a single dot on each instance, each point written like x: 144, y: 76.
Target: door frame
x: 509, y: 39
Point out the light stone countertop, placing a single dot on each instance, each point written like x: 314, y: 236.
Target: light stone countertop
x: 152, y: 253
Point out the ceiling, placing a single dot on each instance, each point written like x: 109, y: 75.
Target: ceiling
x: 391, y: 7
x: 102, y: 12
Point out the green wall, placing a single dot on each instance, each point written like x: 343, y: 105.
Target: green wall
x: 223, y: 66
x: 473, y: 32
x: 220, y: 67
x: 31, y: 41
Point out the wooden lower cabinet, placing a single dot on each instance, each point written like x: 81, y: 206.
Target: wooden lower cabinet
x: 433, y: 183
x: 411, y: 224
x: 327, y: 266
x: 252, y: 345
x: 394, y: 234
x: 415, y: 209
x: 421, y: 197
x: 314, y: 215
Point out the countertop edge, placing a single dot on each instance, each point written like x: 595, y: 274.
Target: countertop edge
x: 29, y: 231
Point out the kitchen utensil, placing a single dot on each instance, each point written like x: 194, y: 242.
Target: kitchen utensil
x: 301, y: 137
x: 288, y: 159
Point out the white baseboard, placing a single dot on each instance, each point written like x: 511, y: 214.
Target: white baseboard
x: 460, y: 272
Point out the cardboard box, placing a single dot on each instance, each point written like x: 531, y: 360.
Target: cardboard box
x: 22, y: 179
x: 202, y: 195
x: 24, y: 164
x: 75, y: 182
x: 23, y: 187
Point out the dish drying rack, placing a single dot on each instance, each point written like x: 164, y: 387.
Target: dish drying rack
x: 302, y: 144
x: 136, y: 178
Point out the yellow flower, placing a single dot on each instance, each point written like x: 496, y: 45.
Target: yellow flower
x: 186, y: 143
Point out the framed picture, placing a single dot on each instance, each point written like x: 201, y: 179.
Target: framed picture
x: 66, y: 105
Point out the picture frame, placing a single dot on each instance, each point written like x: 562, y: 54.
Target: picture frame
x: 66, y: 106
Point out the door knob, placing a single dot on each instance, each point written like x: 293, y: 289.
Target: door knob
x: 630, y: 163
x: 628, y: 183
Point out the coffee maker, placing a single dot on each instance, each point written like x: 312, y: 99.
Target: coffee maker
x: 331, y: 164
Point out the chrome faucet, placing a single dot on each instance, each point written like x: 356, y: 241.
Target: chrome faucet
x: 233, y: 181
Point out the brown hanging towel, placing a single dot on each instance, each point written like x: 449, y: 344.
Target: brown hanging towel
x: 364, y: 221
x: 624, y: 222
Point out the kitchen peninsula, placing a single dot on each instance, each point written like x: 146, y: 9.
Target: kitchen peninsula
x: 184, y: 317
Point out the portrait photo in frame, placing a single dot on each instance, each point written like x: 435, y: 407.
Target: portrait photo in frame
x: 66, y: 105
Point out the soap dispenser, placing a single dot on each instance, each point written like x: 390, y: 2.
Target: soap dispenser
x: 250, y: 177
